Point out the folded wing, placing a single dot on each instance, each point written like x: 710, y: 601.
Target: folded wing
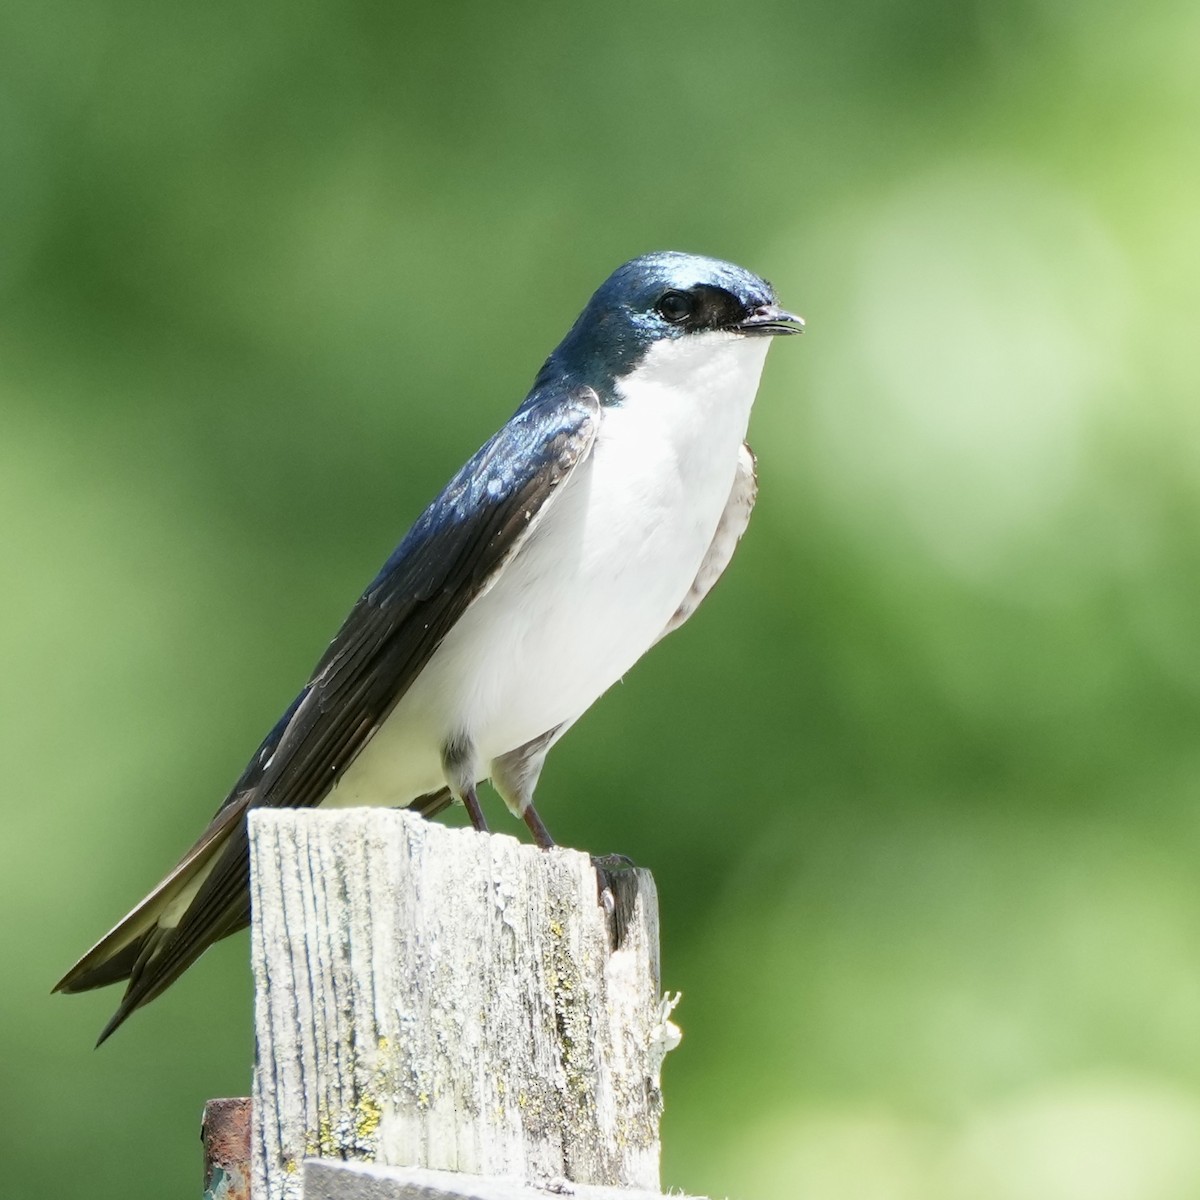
x: 455, y: 549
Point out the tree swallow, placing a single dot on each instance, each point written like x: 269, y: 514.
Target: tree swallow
x: 589, y: 527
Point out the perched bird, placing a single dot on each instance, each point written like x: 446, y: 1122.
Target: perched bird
x: 590, y: 526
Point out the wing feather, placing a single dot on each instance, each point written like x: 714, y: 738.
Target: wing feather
x: 731, y: 526
x: 452, y: 553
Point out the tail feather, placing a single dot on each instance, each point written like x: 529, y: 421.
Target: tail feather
x: 129, y: 950
x: 134, y: 996
x: 202, y: 900
x: 115, y: 955
x: 431, y: 803
x: 119, y: 966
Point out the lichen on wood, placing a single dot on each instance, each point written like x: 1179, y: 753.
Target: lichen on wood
x: 442, y: 998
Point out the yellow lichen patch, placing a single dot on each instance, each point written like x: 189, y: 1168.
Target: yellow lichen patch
x: 325, y: 1140
x: 367, y: 1115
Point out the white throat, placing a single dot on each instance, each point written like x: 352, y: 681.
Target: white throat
x: 704, y: 370
x: 693, y: 396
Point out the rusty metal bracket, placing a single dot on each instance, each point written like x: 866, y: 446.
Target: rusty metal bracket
x: 225, y: 1132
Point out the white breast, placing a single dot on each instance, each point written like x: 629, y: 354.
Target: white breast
x: 597, y: 581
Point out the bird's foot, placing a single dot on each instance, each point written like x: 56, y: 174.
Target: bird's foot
x: 613, y: 862
x: 617, y: 884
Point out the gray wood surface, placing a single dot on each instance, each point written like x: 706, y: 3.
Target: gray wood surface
x: 362, y: 1181
x: 441, y: 998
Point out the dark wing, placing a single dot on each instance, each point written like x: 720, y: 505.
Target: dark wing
x: 448, y: 557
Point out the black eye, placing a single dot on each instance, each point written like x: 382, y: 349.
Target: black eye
x: 675, y: 306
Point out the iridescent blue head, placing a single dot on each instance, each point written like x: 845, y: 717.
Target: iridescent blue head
x: 662, y: 296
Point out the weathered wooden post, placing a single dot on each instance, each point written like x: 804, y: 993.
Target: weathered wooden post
x: 445, y: 1001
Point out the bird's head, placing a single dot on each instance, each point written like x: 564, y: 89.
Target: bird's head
x: 667, y: 296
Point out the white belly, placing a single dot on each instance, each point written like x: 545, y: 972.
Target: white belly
x: 596, y: 581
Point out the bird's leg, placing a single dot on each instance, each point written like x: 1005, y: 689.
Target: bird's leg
x: 537, y: 827
x: 458, y: 764
x: 515, y: 775
x: 474, y: 809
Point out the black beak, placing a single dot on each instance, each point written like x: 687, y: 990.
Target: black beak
x: 769, y: 319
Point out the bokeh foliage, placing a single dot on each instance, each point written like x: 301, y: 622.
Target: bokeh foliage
x: 920, y: 782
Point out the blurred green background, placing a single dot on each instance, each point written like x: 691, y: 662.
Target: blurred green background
x: 920, y: 782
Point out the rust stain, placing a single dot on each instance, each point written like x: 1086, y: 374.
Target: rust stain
x: 226, y: 1135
